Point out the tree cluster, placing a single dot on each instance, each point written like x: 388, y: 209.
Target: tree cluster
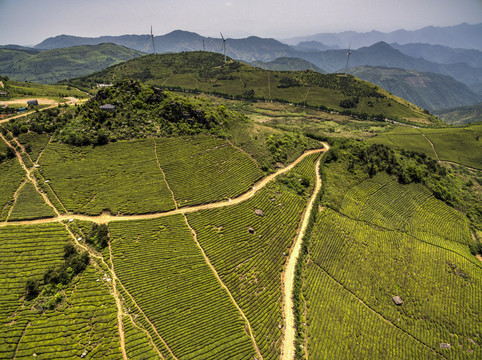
x: 57, y: 277
x: 98, y: 236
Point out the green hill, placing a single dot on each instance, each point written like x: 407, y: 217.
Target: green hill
x: 206, y: 72
x: 51, y: 66
x: 427, y: 90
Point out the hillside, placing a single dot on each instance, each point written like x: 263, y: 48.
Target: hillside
x: 206, y: 72
x: 461, y: 115
x: 51, y: 66
x: 287, y: 64
x: 427, y: 90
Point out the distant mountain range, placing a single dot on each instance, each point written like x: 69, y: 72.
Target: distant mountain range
x: 427, y: 90
x: 51, y: 66
x: 464, y: 36
x: 442, y: 60
x: 45, y: 64
x: 461, y: 115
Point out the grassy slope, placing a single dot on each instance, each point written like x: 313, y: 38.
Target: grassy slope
x: 54, y: 65
x: 207, y: 72
x: 459, y: 145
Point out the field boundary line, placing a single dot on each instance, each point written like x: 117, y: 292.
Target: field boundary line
x: 114, y: 277
x: 244, y: 151
x: 20, y: 340
x: 151, y: 341
x: 289, y: 273
x: 223, y: 285
x: 15, y: 198
x: 164, y: 174
x: 115, y: 294
x: 374, y: 311
x: 147, y: 319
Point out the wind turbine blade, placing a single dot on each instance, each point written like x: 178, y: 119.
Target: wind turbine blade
x: 222, y: 35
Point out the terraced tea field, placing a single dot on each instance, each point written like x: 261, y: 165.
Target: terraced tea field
x: 201, y: 255
x: 132, y: 177
x: 388, y: 240
x: 180, y: 301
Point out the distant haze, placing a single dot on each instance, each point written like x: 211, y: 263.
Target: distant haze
x: 28, y: 22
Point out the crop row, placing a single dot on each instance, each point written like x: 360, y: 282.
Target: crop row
x: 137, y: 342
x: 384, y: 202
x: 341, y: 327
x: 86, y: 323
x: 440, y: 289
x: 11, y: 176
x: 205, y: 169
x: 30, y: 205
x: 123, y: 177
x: 126, y: 177
x: 26, y: 252
x: 249, y: 249
x: 159, y: 264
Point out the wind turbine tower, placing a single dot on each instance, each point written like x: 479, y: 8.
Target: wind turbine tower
x: 204, y: 46
x: 224, y: 46
x: 347, y: 58
x: 152, y: 38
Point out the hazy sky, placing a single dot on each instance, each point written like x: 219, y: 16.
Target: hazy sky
x: 28, y: 22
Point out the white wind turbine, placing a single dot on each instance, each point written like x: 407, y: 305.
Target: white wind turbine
x: 152, y: 38
x: 347, y: 58
x: 224, y: 46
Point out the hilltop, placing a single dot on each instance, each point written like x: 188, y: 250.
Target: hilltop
x: 207, y: 72
x: 288, y: 64
x: 51, y: 66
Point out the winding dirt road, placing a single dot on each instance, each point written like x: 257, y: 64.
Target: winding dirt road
x: 106, y: 217
x: 288, y: 274
x: 288, y: 348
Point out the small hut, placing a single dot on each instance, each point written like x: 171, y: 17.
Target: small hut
x: 107, y: 107
x: 3, y: 93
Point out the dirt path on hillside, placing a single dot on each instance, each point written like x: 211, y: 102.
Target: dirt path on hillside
x: 24, y: 101
x: 105, y: 218
x: 288, y: 347
x: 431, y: 144
x: 30, y: 177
